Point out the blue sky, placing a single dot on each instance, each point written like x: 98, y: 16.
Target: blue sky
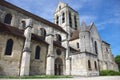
x: 104, y: 13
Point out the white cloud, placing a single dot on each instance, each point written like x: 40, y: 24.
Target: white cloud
x: 101, y: 25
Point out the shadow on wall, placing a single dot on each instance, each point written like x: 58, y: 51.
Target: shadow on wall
x: 1, y: 71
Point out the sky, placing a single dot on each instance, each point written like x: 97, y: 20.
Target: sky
x: 104, y: 13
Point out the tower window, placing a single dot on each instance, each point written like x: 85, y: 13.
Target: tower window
x: 8, y: 19
x: 96, y: 49
x: 57, y: 20
x: 70, y: 20
x: 89, y: 65
x: 9, y: 47
x: 37, y: 52
x: 63, y: 17
x: 77, y: 45
x: 75, y: 20
x: 59, y: 7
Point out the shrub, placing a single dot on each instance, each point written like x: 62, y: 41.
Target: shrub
x: 109, y: 73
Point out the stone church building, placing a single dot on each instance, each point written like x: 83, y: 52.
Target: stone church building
x: 31, y: 45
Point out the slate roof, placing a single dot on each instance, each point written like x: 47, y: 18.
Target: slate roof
x: 17, y: 32
x: 71, y: 48
x: 75, y: 35
x: 55, y: 43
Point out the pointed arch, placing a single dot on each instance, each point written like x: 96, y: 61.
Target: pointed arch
x: 70, y: 19
x: 63, y: 17
x: 58, y: 66
x: 96, y: 49
x: 57, y: 19
x: 58, y: 37
x: 23, y: 24
x: 43, y: 32
x: 75, y: 21
x: 95, y: 63
x: 8, y: 18
x: 89, y: 65
x: 9, y: 46
x: 37, y: 52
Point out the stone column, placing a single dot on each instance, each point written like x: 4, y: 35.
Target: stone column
x: 50, y: 56
x: 68, y: 66
x: 25, y: 62
x: 68, y: 62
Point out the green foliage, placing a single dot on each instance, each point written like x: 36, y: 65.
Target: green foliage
x: 109, y: 73
x: 34, y: 77
x: 117, y: 60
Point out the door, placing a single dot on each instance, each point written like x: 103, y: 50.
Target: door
x: 58, y: 66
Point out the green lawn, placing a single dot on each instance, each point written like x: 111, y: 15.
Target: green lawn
x: 34, y: 77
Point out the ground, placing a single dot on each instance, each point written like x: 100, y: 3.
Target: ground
x: 78, y: 78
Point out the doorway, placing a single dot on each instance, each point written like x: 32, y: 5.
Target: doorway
x: 58, y: 66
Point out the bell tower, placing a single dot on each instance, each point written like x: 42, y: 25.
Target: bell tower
x: 66, y: 17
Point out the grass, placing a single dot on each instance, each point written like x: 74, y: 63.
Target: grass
x: 34, y: 77
x: 109, y: 73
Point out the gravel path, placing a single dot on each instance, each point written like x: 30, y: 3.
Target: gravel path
x: 78, y: 78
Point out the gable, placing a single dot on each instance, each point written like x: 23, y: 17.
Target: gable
x: 94, y: 32
x: 60, y: 6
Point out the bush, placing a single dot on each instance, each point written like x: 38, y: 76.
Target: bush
x: 109, y: 73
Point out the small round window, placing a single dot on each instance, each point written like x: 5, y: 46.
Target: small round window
x: 58, y: 51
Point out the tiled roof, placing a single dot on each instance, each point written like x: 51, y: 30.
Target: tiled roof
x: 9, y: 5
x: 105, y: 42
x: 75, y: 35
x: 58, y: 45
x: 71, y: 48
x: 17, y: 32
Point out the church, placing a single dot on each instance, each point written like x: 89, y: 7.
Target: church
x: 31, y: 45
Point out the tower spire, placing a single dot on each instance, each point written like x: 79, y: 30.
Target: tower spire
x: 83, y: 27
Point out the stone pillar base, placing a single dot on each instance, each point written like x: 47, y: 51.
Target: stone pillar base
x: 50, y: 65
x: 25, y: 64
x: 68, y: 67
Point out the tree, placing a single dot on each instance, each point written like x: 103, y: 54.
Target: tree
x: 117, y: 60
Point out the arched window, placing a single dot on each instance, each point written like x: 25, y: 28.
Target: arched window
x: 59, y: 7
x: 89, y: 65
x: 9, y: 46
x: 23, y: 24
x: 58, y: 38
x: 8, y: 19
x: 95, y: 65
x: 37, y: 52
x: 58, y: 51
x: 75, y: 20
x: 77, y: 45
x: 96, y: 50
x: 70, y: 19
x: 63, y: 17
x: 43, y: 32
x: 57, y: 20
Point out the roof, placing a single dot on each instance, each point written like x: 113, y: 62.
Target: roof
x: 105, y: 42
x: 58, y: 45
x: 75, y: 35
x: 71, y: 48
x: 9, y: 5
x: 17, y: 32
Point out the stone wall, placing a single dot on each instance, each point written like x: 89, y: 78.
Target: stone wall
x: 73, y: 44
x: 79, y: 65
x: 10, y: 64
x: 38, y: 66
